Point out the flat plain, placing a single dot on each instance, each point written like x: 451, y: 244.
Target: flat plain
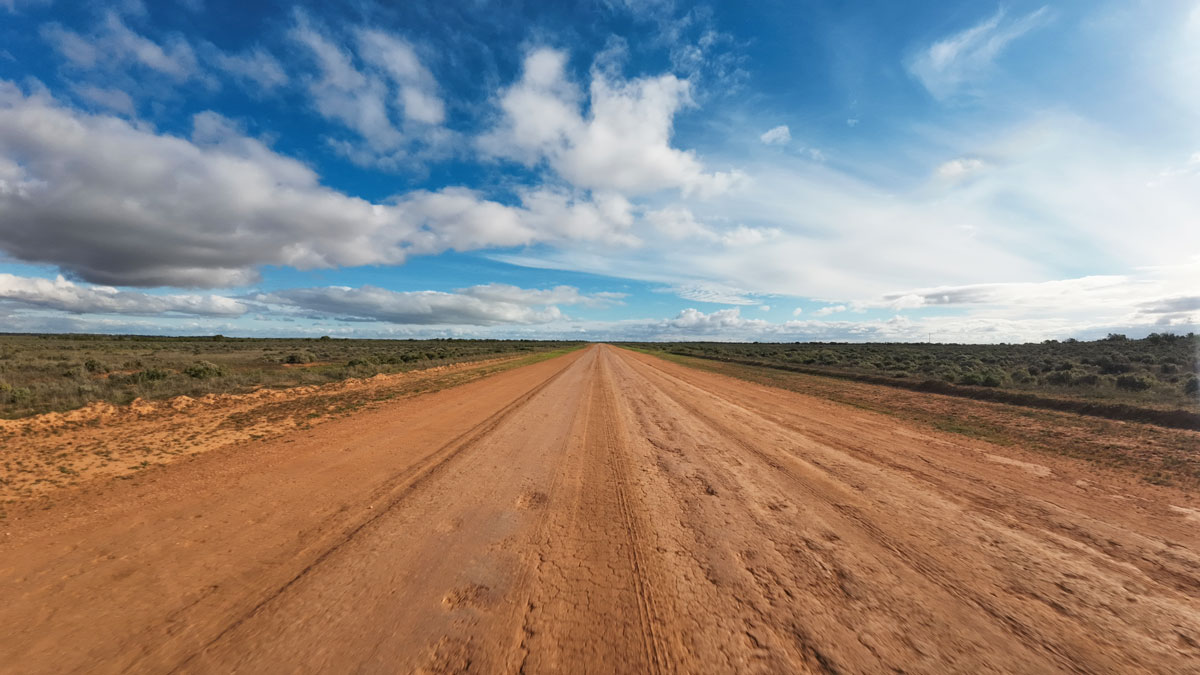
x: 605, y: 511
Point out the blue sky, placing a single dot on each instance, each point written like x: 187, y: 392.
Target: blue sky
x: 969, y: 172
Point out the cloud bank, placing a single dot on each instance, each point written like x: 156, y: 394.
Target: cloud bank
x: 115, y: 203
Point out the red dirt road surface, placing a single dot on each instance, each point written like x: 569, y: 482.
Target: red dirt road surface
x: 606, y: 511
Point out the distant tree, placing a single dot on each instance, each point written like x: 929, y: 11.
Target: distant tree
x: 1159, y: 338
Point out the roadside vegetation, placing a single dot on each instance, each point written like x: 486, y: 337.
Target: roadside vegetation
x: 1158, y: 372
x: 1158, y: 454
x: 53, y: 451
x: 45, y: 373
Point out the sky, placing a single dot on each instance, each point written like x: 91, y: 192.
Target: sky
x: 613, y: 170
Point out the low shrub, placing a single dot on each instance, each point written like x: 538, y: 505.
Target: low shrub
x: 147, y: 375
x: 1022, y: 377
x: 204, y: 369
x: 17, y: 395
x: 1134, y: 382
x: 982, y: 378
x: 991, y: 378
x: 1110, y: 365
x: 1061, y: 377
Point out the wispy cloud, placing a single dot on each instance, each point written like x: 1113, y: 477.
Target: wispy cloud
x: 960, y: 168
x: 375, y: 86
x: 487, y: 305
x: 72, y: 46
x: 112, y: 99
x: 711, y: 292
x: 61, y: 294
x: 255, y: 66
x: 416, y: 94
x: 779, y: 135
x: 952, y: 64
x: 19, y: 5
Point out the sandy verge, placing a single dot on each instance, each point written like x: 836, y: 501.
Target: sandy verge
x: 45, y: 452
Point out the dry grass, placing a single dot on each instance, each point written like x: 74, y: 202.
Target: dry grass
x: 57, y: 373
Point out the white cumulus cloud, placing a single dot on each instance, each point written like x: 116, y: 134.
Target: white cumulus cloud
x: 622, y: 143
x: 695, y: 322
x: 113, y: 202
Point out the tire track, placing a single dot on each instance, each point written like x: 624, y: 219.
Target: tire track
x: 1005, y: 500
x: 610, y: 513
x: 764, y: 600
x: 921, y: 563
x: 396, y: 491
x: 815, y: 480
x: 592, y: 601
x: 613, y: 440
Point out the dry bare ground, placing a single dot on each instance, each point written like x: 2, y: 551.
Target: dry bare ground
x: 607, y: 511
x: 49, y: 451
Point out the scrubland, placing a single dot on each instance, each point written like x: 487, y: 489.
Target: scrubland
x: 44, y: 373
x: 1155, y: 379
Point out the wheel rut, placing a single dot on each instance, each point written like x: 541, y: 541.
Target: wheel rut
x: 612, y: 437
x: 608, y: 512
x: 396, y: 491
x: 592, y: 592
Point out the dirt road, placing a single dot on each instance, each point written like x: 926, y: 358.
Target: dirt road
x: 606, y: 512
